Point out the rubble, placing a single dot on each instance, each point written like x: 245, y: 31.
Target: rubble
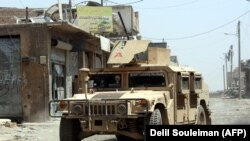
x: 10, y: 124
x: 2, y: 121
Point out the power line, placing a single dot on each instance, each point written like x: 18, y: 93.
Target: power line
x: 21, y: 2
x: 129, y: 3
x: 206, y: 32
x: 82, y: 2
x: 133, y: 2
x: 113, y: 2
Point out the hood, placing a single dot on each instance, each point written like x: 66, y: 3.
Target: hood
x: 147, y: 94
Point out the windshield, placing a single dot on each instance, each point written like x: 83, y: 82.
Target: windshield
x: 147, y: 79
x: 105, y: 81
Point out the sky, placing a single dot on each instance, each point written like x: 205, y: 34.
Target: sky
x: 193, y: 29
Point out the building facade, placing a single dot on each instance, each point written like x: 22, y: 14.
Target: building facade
x: 40, y: 62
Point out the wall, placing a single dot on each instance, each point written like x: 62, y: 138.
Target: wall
x: 35, y: 90
x: 9, y: 15
x: 34, y: 83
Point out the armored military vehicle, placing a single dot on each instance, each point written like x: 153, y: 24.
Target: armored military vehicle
x: 141, y: 86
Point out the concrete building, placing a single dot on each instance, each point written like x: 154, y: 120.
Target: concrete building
x: 41, y: 59
x: 40, y: 62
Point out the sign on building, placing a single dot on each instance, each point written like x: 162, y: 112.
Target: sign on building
x: 95, y: 19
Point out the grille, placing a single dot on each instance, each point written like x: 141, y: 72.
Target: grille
x: 97, y: 109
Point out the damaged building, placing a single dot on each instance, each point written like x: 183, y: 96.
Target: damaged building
x: 40, y: 62
x: 41, y: 56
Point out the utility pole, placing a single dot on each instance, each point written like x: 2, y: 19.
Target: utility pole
x: 239, y: 60
x: 224, y: 80
x: 239, y: 57
x: 101, y: 2
x: 231, y: 60
x: 70, y: 11
x: 27, y: 15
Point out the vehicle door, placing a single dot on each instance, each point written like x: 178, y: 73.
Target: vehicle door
x: 182, y: 102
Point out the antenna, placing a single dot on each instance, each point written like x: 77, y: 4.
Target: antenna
x: 125, y: 30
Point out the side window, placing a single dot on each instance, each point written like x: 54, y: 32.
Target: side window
x: 198, y: 83
x: 185, y: 83
x: 105, y: 80
x: 147, y: 79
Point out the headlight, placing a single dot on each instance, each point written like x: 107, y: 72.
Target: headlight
x: 77, y: 109
x: 63, y: 105
x: 141, y: 103
x: 121, y: 109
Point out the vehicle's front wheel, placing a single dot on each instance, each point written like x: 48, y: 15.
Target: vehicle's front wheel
x: 201, y: 116
x: 123, y: 138
x: 158, y: 117
x: 69, y: 130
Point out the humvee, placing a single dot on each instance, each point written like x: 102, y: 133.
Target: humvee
x: 140, y: 87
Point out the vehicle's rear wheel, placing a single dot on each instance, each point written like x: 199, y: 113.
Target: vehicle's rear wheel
x: 69, y: 130
x: 208, y: 116
x: 209, y: 120
x: 158, y: 117
x: 201, y: 116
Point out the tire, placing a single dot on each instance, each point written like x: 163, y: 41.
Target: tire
x: 123, y: 138
x: 201, y: 116
x: 208, y: 116
x: 209, y: 120
x: 158, y: 117
x: 69, y: 130
x: 18, y: 120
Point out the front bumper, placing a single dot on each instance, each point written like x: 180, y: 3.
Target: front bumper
x: 111, y: 108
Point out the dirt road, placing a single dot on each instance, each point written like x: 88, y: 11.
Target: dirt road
x: 230, y: 111
x: 224, y: 111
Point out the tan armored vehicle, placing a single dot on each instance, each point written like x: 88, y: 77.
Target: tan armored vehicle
x: 142, y: 86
